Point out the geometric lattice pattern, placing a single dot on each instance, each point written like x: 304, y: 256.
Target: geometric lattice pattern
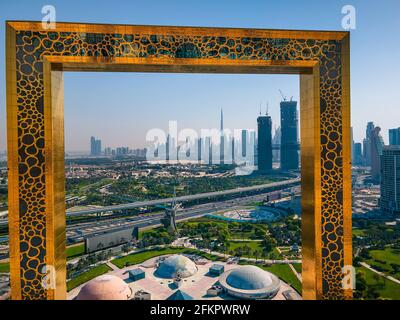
x: 33, y: 46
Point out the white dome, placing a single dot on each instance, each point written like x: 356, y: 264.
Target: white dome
x: 176, y: 265
x: 105, y: 287
x: 249, y: 278
x: 250, y: 282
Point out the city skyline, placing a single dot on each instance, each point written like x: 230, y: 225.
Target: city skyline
x: 248, y: 94
x: 263, y: 14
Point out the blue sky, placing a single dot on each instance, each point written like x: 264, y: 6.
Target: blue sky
x: 195, y: 100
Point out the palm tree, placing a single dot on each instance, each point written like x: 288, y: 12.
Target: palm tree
x: 255, y: 254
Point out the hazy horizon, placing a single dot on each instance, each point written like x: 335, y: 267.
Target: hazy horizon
x: 151, y: 100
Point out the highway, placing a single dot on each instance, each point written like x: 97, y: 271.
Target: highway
x: 142, y: 220
x: 77, y: 233
x: 136, y: 219
x: 138, y: 204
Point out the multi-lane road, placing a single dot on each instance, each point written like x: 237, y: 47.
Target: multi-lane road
x: 76, y: 233
x: 147, y: 203
x: 82, y: 230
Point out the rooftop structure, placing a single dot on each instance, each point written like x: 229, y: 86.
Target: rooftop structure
x: 250, y: 282
x: 217, y: 269
x: 105, y: 287
x: 176, y: 266
x: 136, y: 274
x: 180, y: 295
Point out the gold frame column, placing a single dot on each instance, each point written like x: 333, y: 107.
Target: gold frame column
x: 55, y: 181
x: 12, y: 150
x: 311, y: 185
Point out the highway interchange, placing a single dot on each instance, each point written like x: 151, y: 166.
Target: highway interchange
x: 77, y: 232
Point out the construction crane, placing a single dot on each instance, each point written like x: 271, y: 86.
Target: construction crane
x: 284, y: 97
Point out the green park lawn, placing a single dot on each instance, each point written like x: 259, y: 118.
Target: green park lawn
x: 384, y: 259
x: 253, y: 245
x: 386, y: 288
x: 233, y: 234
x: 88, y: 275
x: 75, y: 251
x: 358, y: 232
x: 286, y: 274
x: 4, y: 267
x: 237, y: 234
x: 136, y: 258
x: 298, y: 267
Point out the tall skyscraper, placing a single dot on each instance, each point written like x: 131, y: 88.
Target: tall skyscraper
x: 208, y: 150
x: 244, y: 143
x: 199, y: 147
x: 254, y: 145
x: 98, y: 147
x: 264, y: 126
x: 187, y: 144
x: 92, y: 146
x: 167, y: 147
x: 390, y: 180
x: 233, y: 149
x: 357, y: 153
x: 367, y: 143
x: 107, y: 151
x: 394, y: 137
x: 376, y: 152
x: 276, y: 141
x: 222, y: 141
x: 95, y: 146
x: 289, y: 132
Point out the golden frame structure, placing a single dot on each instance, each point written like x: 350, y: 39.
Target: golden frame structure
x: 36, y: 59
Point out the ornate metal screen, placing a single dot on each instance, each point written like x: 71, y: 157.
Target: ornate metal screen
x: 36, y: 60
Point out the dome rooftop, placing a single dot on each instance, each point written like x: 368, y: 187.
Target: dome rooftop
x: 249, y: 278
x: 105, y: 287
x: 176, y: 265
x: 250, y: 282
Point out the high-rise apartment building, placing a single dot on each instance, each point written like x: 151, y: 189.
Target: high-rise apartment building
x: 376, y: 152
x: 390, y: 179
x: 394, y: 137
x: 276, y: 141
x: 367, y: 143
x: 92, y: 146
x: 264, y: 125
x: 95, y: 146
x: 199, y: 149
x: 167, y: 147
x: 357, y: 153
x: 244, y: 143
x: 289, y: 135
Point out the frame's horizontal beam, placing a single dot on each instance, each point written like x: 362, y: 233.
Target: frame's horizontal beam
x: 173, y: 30
x: 176, y: 65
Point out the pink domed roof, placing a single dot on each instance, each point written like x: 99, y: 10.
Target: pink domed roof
x: 105, y: 287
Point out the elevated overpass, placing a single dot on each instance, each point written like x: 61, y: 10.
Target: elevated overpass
x: 149, y: 203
